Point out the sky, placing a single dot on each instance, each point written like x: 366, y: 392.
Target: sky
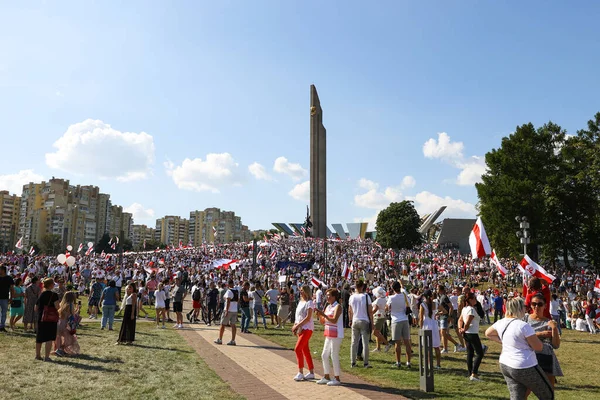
x: 178, y: 106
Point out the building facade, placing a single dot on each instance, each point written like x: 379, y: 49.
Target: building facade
x: 171, y: 230
x: 141, y: 233
x: 215, y: 226
x: 9, y: 221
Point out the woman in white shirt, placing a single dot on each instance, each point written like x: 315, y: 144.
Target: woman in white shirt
x: 380, y: 319
x: 518, y: 362
x: 468, y: 326
x: 334, y: 334
x: 303, y: 328
x: 160, y: 297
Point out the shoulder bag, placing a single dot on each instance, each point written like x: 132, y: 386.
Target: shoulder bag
x: 50, y: 314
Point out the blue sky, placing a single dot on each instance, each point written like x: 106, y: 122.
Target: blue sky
x: 166, y: 105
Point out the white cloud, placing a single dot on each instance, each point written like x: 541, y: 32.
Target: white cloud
x: 452, y: 153
x: 14, y: 182
x: 94, y: 148
x: 219, y: 170
x: 364, y: 183
x: 426, y: 202
x: 259, y: 172
x: 408, y: 182
x: 140, y: 214
x: 301, y: 191
x: 293, y: 170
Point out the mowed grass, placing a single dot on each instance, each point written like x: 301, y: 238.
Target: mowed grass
x: 578, y: 354
x: 160, y: 365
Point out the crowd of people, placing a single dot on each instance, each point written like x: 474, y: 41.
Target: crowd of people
x: 355, y: 284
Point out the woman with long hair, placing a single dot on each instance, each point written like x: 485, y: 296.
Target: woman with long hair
x: 334, y: 334
x: 303, y: 328
x: 468, y: 326
x: 518, y: 362
x: 46, y: 332
x: 32, y: 292
x: 547, y: 331
x: 68, y: 312
x: 17, y: 307
x: 127, y: 333
x: 428, y: 323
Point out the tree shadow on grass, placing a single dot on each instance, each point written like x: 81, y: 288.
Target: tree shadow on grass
x: 112, y: 360
x: 87, y: 367
x: 143, y: 346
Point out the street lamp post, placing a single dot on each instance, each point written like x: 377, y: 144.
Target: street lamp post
x: 523, y: 232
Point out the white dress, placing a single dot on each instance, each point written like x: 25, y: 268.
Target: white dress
x: 431, y: 325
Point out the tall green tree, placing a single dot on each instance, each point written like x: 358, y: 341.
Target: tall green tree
x: 52, y: 244
x: 398, y: 226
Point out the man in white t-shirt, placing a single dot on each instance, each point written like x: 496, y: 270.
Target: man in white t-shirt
x: 272, y: 295
x: 360, y: 313
x: 230, y: 311
x: 400, y: 329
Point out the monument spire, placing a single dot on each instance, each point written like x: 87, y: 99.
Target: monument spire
x: 318, y: 167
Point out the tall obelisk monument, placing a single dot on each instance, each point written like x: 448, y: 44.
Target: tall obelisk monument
x: 318, y: 167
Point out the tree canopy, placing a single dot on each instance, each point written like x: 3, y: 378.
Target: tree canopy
x: 398, y: 226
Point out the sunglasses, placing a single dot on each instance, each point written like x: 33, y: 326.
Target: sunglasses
x: 538, y: 304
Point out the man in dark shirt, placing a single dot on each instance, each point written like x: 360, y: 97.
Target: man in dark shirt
x: 345, y: 299
x: 7, y: 287
x: 498, y: 307
x: 245, y: 307
x: 212, y: 299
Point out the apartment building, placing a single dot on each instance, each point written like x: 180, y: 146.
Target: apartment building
x: 9, y: 220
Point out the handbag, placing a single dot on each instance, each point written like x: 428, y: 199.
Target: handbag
x: 50, y: 314
x: 15, y: 303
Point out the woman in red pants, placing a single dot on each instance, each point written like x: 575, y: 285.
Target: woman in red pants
x: 303, y: 328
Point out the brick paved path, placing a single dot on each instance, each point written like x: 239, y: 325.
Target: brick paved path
x: 259, y: 369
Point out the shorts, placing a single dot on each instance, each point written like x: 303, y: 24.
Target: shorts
x: 196, y: 304
x: 229, y: 319
x: 93, y: 302
x: 283, y: 311
x: 444, y: 323
x: 272, y: 309
x: 168, y: 305
x: 177, y: 306
x: 400, y: 330
x: 380, y: 323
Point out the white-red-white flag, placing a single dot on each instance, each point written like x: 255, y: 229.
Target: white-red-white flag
x: 117, y: 239
x: 110, y: 241
x: 260, y: 254
x: 102, y: 255
x: 113, y: 246
x: 316, y: 282
x: 478, y: 240
x: 19, y: 244
x: 31, y: 251
x: 597, y: 284
x: 273, y: 255
x: 536, y: 270
x: 346, y: 270
x: 494, y: 260
x: 80, y: 247
x: 89, y: 251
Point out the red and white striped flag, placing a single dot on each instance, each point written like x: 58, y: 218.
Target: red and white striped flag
x: 110, y: 241
x: 113, y: 246
x: 19, y: 244
x: 478, y: 240
x: 117, y: 239
x: 102, y: 255
x: 260, y: 254
x: 494, y: 260
x: 346, y: 270
x: 536, y: 270
x: 597, y: 284
x: 31, y: 251
x: 89, y: 251
x: 316, y: 282
x: 378, y: 245
x: 80, y: 247
x: 273, y: 255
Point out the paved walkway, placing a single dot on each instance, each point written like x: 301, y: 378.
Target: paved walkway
x: 259, y: 369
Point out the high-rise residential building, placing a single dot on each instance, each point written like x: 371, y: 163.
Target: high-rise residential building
x: 215, y: 226
x: 9, y: 221
x: 103, y: 215
x: 127, y: 225
x: 141, y: 233
x: 171, y: 230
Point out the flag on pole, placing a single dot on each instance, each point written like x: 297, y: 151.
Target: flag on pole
x: 260, y: 254
x: 346, y: 270
x: 316, y: 282
x: 273, y: 255
x: 110, y: 241
x: 19, y: 244
x: 597, y: 284
x: 494, y: 260
x: 80, y: 247
x: 89, y: 251
x: 113, y: 246
x: 478, y: 240
x: 117, y: 239
x: 536, y: 270
x: 102, y: 255
x: 31, y: 251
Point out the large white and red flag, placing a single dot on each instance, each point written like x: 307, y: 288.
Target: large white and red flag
x: 273, y: 255
x: 80, y: 247
x: 316, y: 282
x: 89, y: 251
x: 597, y: 284
x: 494, y: 260
x: 19, y: 244
x: 478, y: 240
x: 31, y: 251
x: 536, y: 270
x: 346, y: 270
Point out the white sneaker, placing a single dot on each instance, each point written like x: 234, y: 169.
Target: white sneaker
x: 323, y: 381
x: 474, y: 379
x: 176, y: 326
x: 376, y: 350
x: 388, y: 347
x: 309, y: 376
x: 444, y: 351
x: 299, y: 377
x: 334, y: 382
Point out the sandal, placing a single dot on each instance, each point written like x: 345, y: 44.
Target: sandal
x: 38, y: 358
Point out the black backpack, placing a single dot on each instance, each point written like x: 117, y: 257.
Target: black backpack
x: 196, y: 295
x: 236, y: 295
x: 592, y: 313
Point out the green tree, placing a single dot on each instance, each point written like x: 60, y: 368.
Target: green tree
x: 102, y: 245
x: 52, y: 244
x: 128, y: 244
x: 398, y: 226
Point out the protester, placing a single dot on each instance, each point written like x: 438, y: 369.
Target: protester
x: 212, y: 301
x: 47, y: 310
x: 334, y: 334
x: 518, y: 362
x: 469, y: 328
x: 178, y: 294
x: 380, y: 319
x: 444, y: 311
x: 127, y: 332
x: 17, y: 308
x: 360, y: 313
x: 397, y: 305
x: 32, y: 293
x: 245, y: 307
x: 94, y: 298
x: 66, y: 339
x: 303, y: 329
x: 108, y: 300
x: 159, y: 305
x: 258, y: 308
x: 427, y: 323
x: 6, y: 291
x: 230, y: 311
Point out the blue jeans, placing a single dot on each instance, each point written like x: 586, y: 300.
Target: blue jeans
x: 108, y: 314
x: 3, y: 310
x: 259, y: 310
x: 245, y: 318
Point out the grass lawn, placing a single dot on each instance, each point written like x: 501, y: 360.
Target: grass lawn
x: 159, y: 366
x: 577, y: 355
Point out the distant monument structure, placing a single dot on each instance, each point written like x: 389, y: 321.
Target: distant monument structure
x: 318, y: 167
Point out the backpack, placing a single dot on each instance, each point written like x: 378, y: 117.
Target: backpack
x: 236, y: 295
x: 196, y: 295
x: 592, y: 312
